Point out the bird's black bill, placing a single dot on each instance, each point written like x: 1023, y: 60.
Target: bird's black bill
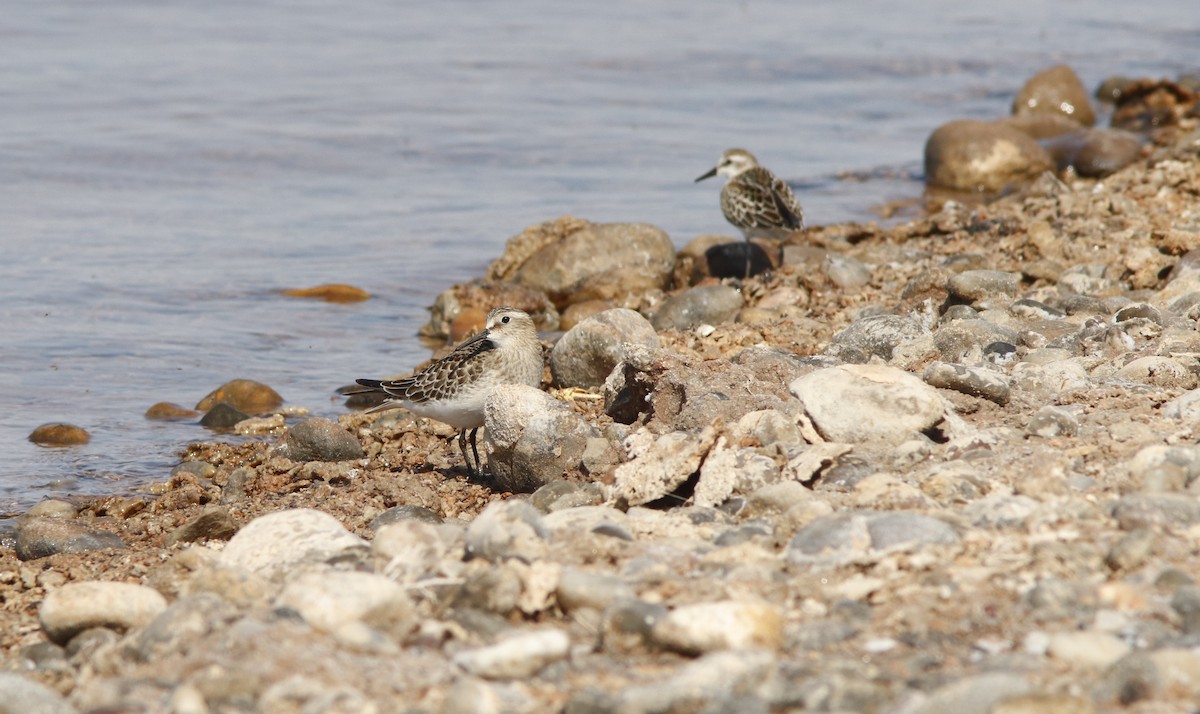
x: 711, y: 172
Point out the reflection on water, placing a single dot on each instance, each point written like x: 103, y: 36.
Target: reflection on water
x: 167, y: 167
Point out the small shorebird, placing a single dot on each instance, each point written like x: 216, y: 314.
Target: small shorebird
x: 755, y: 200
x: 454, y: 388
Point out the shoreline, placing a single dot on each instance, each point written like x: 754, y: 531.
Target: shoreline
x: 944, y: 466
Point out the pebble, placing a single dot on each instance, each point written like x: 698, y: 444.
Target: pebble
x: 329, y: 599
x: 319, y: 439
x: 1157, y: 371
x: 586, y: 354
x: 703, y: 305
x: 534, y: 438
x: 869, y: 402
x: 214, y: 522
x: 1056, y: 90
x: 977, y: 156
x: 874, y: 336
x: 42, y: 536
x: 60, y: 434
x: 973, y: 694
x: 21, y: 695
x: 405, y: 512
x: 974, y: 382
x: 517, y: 656
x: 507, y: 529
x: 223, y: 416
x: 74, y: 607
x: 1050, y: 421
x: 245, y: 395
x: 974, y: 286
x: 846, y: 272
x: 408, y: 550
x: 659, y: 464
x: 591, y: 261
x: 278, y: 542
x: 184, y: 622
x: 1088, y: 648
x: 168, y: 411
x: 580, y: 589
x: 728, y: 624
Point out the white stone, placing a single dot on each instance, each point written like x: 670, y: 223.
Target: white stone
x: 728, y: 624
x: 1089, y: 648
x: 277, y: 542
x: 856, y: 403
x: 515, y: 657
x: 75, y: 607
x: 328, y: 599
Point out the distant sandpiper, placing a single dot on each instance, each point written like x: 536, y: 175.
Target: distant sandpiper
x: 755, y: 200
x: 454, y: 388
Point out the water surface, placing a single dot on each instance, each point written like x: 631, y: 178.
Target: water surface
x: 167, y: 167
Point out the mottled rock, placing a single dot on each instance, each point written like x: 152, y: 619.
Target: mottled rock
x: 704, y: 305
x: 1157, y: 371
x: 969, y: 155
x: 279, y: 541
x: 184, y: 622
x: 658, y: 465
x: 596, y: 261
x: 1056, y: 90
x: 859, y: 403
x: 462, y: 309
x: 408, y: 550
x: 587, y: 353
x: 579, y: 589
x: 729, y: 470
x: 319, y: 439
x: 245, y: 395
x: 39, y: 537
x: 959, y: 339
x: 729, y: 624
x: 715, y: 682
x: 978, y: 285
x: 975, y: 382
x: 517, y: 656
x: 214, y: 522
x: 534, y: 438
x: 1049, y: 422
x: 60, y: 434
x: 874, y: 336
x: 507, y: 529
x: 850, y: 533
x: 405, y: 512
x: 75, y: 607
x: 846, y: 272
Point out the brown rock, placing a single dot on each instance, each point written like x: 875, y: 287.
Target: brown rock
x: 581, y: 311
x: 1042, y: 126
x: 1149, y: 104
x: 214, y: 523
x: 969, y: 155
x: 167, y: 411
x: 330, y: 292
x: 1056, y: 90
x: 603, y: 261
x: 481, y: 296
x: 245, y: 395
x: 1095, y: 153
x: 60, y: 434
x: 467, y: 323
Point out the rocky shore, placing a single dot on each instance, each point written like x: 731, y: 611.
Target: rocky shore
x: 948, y: 466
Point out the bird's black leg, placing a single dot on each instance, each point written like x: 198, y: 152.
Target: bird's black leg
x: 475, y: 450
x: 462, y: 447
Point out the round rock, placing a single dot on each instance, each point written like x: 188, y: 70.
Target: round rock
x: 516, y: 657
x: 75, y: 607
x: 279, y: 541
x: 507, y: 529
x: 587, y: 353
x: 245, y: 395
x: 534, y: 437
x: 704, y: 305
x: 969, y: 155
x: 60, y: 434
x: 319, y: 439
x: 330, y: 599
x: 19, y: 695
x: 874, y: 336
x: 711, y: 626
x: 1056, y: 90
x: 42, y: 536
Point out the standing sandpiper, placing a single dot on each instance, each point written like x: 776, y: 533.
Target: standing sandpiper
x: 755, y: 200
x: 454, y: 388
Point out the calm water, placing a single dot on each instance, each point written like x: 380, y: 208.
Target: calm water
x: 165, y: 167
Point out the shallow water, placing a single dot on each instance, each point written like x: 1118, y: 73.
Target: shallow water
x: 165, y: 168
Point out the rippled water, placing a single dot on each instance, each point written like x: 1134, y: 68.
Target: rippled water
x: 166, y: 167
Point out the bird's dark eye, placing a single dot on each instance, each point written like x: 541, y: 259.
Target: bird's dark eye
x: 505, y: 319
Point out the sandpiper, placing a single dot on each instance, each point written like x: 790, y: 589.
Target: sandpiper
x: 454, y: 388
x: 755, y: 200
